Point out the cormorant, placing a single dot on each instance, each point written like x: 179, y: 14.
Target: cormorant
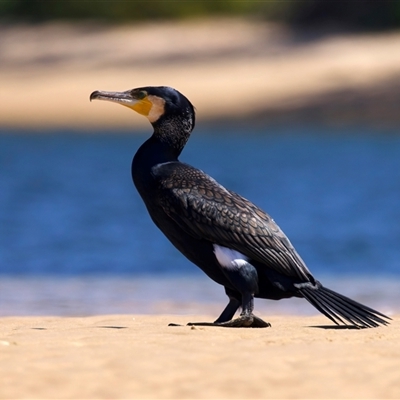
x: 233, y: 241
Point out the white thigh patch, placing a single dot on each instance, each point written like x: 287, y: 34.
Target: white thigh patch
x: 229, y: 258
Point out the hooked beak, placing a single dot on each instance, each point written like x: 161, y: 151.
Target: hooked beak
x: 136, y: 100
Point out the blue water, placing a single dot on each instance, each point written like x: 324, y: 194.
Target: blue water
x: 70, y: 216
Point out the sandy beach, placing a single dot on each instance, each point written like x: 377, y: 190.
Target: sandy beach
x: 123, y: 356
x: 231, y: 69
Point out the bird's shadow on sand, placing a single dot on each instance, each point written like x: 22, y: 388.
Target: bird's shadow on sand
x: 111, y: 327
x: 335, y: 327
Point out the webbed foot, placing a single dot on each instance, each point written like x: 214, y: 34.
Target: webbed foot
x: 244, y: 321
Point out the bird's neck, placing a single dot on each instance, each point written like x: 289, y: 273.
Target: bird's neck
x: 155, y: 151
x: 172, y: 133
x: 165, y: 145
x: 151, y: 153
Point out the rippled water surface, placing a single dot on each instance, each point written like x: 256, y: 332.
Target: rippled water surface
x: 71, y: 221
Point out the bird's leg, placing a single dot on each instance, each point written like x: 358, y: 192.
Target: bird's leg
x: 226, y: 315
x: 244, y: 278
x: 229, y: 310
x: 246, y: 319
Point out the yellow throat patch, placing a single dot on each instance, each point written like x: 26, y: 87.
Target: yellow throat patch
x: 142, y: 107
x: 152, y: 107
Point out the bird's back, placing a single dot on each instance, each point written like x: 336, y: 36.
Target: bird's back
x: 186, y: 197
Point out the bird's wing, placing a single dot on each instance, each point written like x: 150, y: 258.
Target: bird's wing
x: 205, y: 209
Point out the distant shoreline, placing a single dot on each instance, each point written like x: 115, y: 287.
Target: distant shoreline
x: 233, y: 70
x: 93, y: 295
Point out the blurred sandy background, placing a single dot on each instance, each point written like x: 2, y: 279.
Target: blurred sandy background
x: 231, y: 69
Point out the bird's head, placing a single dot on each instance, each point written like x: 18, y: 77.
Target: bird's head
x: 158, y: 103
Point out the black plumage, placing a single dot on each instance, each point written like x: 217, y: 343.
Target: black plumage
x: 233, y: 241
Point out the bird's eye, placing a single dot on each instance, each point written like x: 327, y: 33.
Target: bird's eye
x: 140, y: 95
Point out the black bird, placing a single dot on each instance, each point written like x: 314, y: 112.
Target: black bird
x: 233, y: 241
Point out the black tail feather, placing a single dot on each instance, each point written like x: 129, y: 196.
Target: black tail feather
x: 321, y: 306
x: 340, y: 309
x: 347, y: 309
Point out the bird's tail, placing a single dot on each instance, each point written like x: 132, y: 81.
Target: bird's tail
x: 340, y: 309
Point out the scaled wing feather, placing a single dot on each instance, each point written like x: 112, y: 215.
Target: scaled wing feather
x: 207, y: 210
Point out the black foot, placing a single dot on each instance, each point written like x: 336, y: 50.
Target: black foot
x: 244, y: 321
